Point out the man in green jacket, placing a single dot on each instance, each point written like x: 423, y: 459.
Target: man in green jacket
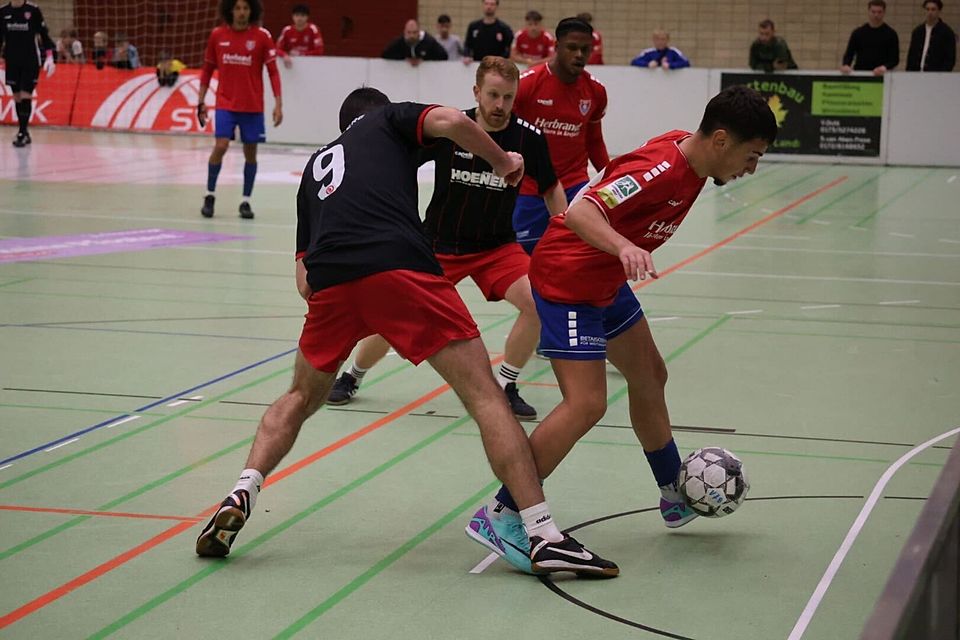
x: 769, y: 52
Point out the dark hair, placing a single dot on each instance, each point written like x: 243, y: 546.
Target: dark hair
x: 533, y: 16
x: 359, y: 102
x: 226, y: 10
x: 302, y: 9
x: 573, y: 25
x: 742, y: 112
x: 939, y: 4
x: 443, y: 19
x: 766, y: 24
x: 877, y: 3
x: 586, y: 17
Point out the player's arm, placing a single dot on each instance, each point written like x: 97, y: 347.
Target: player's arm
x: 303, y: 237
x: 270, y: 60
x: 590, y: 223
x: 453, y: 124
x: 556, y: 199
x: 596, y: 147
x: 316, y: 43
x: 206, y: 73
x: 47, y: 45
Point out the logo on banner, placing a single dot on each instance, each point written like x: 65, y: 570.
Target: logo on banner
x: 585, y: 107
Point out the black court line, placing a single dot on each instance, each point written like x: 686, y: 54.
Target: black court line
x: 904, y: 498
x: 83, y: 393
x: 552, y: 586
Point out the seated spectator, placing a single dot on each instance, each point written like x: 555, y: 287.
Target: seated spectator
x: 168, y: 70
x: 661, y: 54
x: 596, y: 56
x: 125, y: 55
x: 933, y: 44
x: 769, y: 52
x: 451, y: 43
x: 533, y: 44
x: 69, y: 49
x: 874, y: 44
x: 301, y: 38
x: 414, y: 46
x: 101, y: 56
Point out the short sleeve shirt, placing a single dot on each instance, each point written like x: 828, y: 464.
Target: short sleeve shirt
x: 239, y: 57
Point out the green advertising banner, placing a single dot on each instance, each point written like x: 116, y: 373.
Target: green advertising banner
x: 820, y: 115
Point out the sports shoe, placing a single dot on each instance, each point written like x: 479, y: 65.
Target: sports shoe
x: 676, y: 514
x: 207, y: 209
x: 569, y: 555
x: 218, y: 535
x: 520, y: 408
x: 246, y: 212
x: 22, y: 139
x: 504, y: 535
x: 343, y: 389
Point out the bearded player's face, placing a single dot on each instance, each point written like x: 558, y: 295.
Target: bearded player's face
x: 241, y: 14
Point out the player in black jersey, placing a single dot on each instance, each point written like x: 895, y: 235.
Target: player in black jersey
x: 26, y: 42
x: 365, y: 267
x: 469, y: 222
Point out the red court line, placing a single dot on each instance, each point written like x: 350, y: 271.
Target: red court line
x: 84, y: 512
x: 91, y: 575
x: 745, y: 230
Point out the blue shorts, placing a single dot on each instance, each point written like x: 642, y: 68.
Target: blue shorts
x: 252, y: 130
x: 530, y: 217
x: 581, y: 331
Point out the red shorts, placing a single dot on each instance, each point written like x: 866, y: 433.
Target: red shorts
x: 493, y: 271
x: 418, y: 314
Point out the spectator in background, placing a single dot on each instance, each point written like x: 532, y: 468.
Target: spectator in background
x: 302, y: 38
x: 933, y: 44
x: 168, y: 70
x: 596, y: 56
x: 450, y: 42
x: 661, y: 54
x: 69, y: 48
x: 488, y: 36
x: 533, y: 44
x: 874, y: 44
x: 414, y: 46
x: 125, y: 55
x: 769, y: 52
x: 101, y: 56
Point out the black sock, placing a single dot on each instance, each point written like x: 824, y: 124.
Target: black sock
x: 24, y: 109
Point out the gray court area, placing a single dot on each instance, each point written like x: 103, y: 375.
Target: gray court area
x: 810, y: 317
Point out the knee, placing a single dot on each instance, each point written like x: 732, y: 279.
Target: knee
x: 660, y: 372
x: 589, y: 409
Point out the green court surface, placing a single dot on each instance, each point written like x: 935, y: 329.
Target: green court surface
x: 809, y: 315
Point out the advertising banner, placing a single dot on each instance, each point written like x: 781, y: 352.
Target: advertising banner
x: 52, y: 100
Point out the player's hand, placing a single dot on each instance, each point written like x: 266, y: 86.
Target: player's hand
x: 202, y: 115
x: 512, y: 170
x: 277, y: 115
x: 49, y: 65
x: 845, y: 69
x: 653, y: 64
x: 467, y: 60
x: 665, y: 64
x: 637, y: 263
x: 288, y: 62
x: 879, y: 71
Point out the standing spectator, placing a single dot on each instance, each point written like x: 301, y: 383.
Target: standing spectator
x: 69, y: 48
x: 769, y: 52
x: 101, y: 56
x: 302, y: 38
x: 661, y: 54
x: 125, y: 55
x: 450, y: 42
x: 933, y: 44
x: 874, y: 44
x: 596, y: 56
x: 168, y: 69
x: 488, y: 36
x: 533, y: 44
x: 238, y: 50
x: 414, y: 46
x: 20, y: 26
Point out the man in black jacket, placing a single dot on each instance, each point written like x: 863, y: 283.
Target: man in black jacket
x: 874, y: 44
x: 933, y: 44
x: 414, y: 46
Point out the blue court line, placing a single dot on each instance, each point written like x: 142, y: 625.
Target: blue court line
x: 145, y: 407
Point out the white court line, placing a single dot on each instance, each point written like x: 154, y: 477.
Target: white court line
x: 834, y: 566
x: 483, y: 564
x: 6, y: 466
x: 949, y: 241
x: 774, y: 276
x: 168, y: 221
x: 951, y: 179
x: 737, y: 313
x: 663, y: 319
x: 899, y: 302
x: 124, y: 421
x: 178, y: 403
x: 820, y: 222
x: 62, y: 444
x: 902, y: 235
x: 821, y: 306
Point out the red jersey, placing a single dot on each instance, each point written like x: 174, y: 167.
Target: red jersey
x: 540, y: 47
x: 565, y: 113
x: 644, y: 195
x: 596, y: 56
x: 239, y: 58
x: 308, y: 42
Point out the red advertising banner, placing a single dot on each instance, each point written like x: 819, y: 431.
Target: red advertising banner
x: 52, y: 100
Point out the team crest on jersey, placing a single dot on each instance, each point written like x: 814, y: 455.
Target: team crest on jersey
x: 619, y: 191
x: 27, y: 15
x: 585, y: 107
x: 499, y: 37
x: 251, y: 45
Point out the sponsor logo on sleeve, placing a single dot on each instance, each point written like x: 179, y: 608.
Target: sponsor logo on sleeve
x: 618, y: 191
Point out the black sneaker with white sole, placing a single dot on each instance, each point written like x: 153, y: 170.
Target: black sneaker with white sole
x: 343, y: 389
x: 22, y: 139
x: 207, y: 209
x: 220, y: 532
x: 568, y: 555
x: 518, y: 405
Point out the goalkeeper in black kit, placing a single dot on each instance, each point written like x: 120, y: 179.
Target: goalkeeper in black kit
x: 27, y: 47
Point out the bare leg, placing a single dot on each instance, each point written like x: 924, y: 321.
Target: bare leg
x: 250, y: 152
x: 220, y: 146
x: 465, y: 366
x: 372, y: 350
x: 525, y: 333
x: 635, y: 355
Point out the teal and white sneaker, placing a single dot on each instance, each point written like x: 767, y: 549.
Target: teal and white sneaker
x: 504, y: 535
x: 676, y: 514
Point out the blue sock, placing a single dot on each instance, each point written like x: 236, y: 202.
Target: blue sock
x: 213, y: 171
x: 665, y: 463
x: 249, y: 173
x: 504, y: 496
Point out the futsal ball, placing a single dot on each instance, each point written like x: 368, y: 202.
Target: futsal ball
x: 713, y: 482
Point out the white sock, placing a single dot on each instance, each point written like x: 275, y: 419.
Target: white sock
x: 538, y: 522
x: 357, y: 372
x: 251, y: 480
x: 671, y: 493
x: 245, y: 200
x: 507, y: 374
x: 211, y: 193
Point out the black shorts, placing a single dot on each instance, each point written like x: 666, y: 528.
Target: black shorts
x: 22, y: 77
